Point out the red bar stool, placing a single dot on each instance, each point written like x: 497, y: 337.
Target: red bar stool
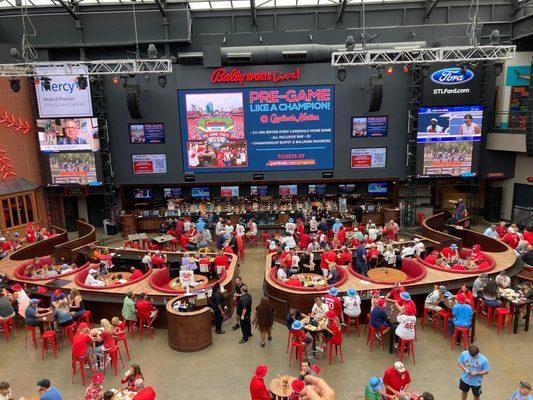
x: 141, y: 327
x: 289, y: 338
x: 483, y: 307
x: 427, y: 313
x: 131, y: 328
x: 7, y: 324
x: 371, y: 336
x: 81, y: 363
x: 46, y: 338
x: 367, y: 321
x: 68, y: 331
x: 348, y: 320
x: 406, y: 345
x: 500, y: 315
x: 459, y: 331
x: 338, y: 350
x: 115, y: 354
x: 33, y: 335
x: 443, y: 315
x: 146, y: 243
x: 298, y: 347
x: 86, y: 317
x: 122, y: 338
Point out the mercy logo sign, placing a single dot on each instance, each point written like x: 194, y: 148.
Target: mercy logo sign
x: 451, y: 76
x: 65, y: 98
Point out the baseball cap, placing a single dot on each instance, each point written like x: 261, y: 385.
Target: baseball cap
x: 351, y: 292
x: 16, y: 287
x: 297, y: 386
x: 525, y: 385
x: 297, y: 325
x: 57, y: 292
x: 97, y: 378
x: 334, y: 291
x: 453, y: 246
x: 397, y: 284
x: 331, y: 314
x: 410, y: 309
x: 375, y: 292
x: 83, y: 325
x: 375, y: 383
x: 442, y: 288
x: 34, y: 301
x: 416, y: 240
x: 405, y: 296
x: 398, y: 366
x: 44, y: 383
x: 41, y: 290
x: 434, y: 119
x: 381, y: 302
x: 261, y: 371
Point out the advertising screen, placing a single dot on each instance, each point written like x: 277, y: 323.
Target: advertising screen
x: 369, y: 126
x: 149, y: 164
x: 288, y: 190
x: 68, y: 134
x: 447, y: 159
x: 373, y: 157
x: 172, y: 193
x: 377, y: 187
x: 229, y: 191
x: 142, y: 193
x: 73, y: 168
x: 317, y: 189
x: 259, y: 190
x: 448, y: 124
x: 202, y: 191
x: 347, y: 188
x: 257, y: 129
x: 153, y: 133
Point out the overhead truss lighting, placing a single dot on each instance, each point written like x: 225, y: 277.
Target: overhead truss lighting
x: 98, y: 67
x: 406, y: 56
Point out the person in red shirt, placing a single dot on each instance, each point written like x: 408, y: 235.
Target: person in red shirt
x: 145, y: 309
x: 354, y: 242
x: 344, y: 257
x: 221, y: 261
x: 333, y: 302
x: 143, y: 393
x: 396, y: 379
x: 511, y: 238
x: 300, y: 228
x: 501, y: 229
x: 450, y: 252
x: 6, y: 246
x: 80, y: 342
x: 157, y: 259
x: 394, y: 293
x: 258, y: 390
x: 528, y: 235
x: 405, y: 301
x: 431, y: 258
x: 293, y: 281
x: 135, y: 273
x: 286, y: 258
x: 373, y: 256
x: 467, y: 293
x: 30, y: 233
x: 305, y: 239
x: 334, y: 328
x: 227, y: 248
x: 298, y: 334
x: 330, y: 258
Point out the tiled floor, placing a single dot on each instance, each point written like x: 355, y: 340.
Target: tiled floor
x: 223, y: 370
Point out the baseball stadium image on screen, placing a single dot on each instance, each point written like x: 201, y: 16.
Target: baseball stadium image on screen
x: 257, y: 129
x: 68, y: 134
x: 153, y: 133
x: 73, y: 168
x: 229, y: 191
x: 448, y: 159
x: 447, y: 124
x: 369, y: 126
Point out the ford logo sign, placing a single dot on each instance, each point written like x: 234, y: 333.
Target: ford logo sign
x: 451, y: 76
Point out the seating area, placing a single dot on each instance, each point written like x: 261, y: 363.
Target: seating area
x: 343, y: 277
x: 465, y: 253
x: 82, y: 275
x: 21, y: 272
x: 414, y: 270
x: 160, y: 279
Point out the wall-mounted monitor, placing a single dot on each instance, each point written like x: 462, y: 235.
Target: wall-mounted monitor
x: 259, y: 190
x: 346, y: 189
x: 318, y: 190
x: 68, y: 134
x: 369, y: 126
x: 172, y: 193
x: 378, y: 188
x: 229, y: 191
x: 73, y: 168
x: 446, y: 159
x: 368, y: 157
x: 448, y: 124
x: 200, y: 192
x: 149, y: 164
x: 149, y: 133
x: 142, y: 193
x: 288, y: 190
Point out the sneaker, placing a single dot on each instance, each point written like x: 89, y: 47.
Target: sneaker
x: 250, y: 335
x: 235, y: 327
x: 378, y: 335
x: 243, y: 340
x: 262, y: 345
x: 221, y: 332
x: 270, y: 338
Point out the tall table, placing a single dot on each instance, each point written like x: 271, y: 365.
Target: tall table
x: 281, y: 387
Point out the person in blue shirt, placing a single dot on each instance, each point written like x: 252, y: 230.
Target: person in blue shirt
x: 474, y: 366
x: 523, y: 392
x: 461, y: 315
x: 361, y: 260
x: 491, y: 232
x: 379, y: 318
x: 200, y: 225
x: 48, y: 392
x: 336, y: 226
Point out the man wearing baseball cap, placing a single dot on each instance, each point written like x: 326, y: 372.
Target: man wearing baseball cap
x: 34, y: 314
x: 47, y: 391
x: 432, y: 257
x: 434, y: 298
x: 95, y: 389
x: 474, y: 366
x: 394, y: 293
x: 333, y: 302
x: 450, y: 253
x: 297, y: 387
x: 396, y: 379
x: 461, y: 313
x: 379, y: 318
x: 434, y: 126
x: 258, y: 390
x: 469, y: 127
x: 405, y: 301
x: 523, y: 392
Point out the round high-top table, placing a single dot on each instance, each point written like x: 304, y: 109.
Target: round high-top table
x: 278, y: 390
x: 201, y: 280
x: 389, y: 275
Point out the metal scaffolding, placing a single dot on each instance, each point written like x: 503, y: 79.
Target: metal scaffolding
x: 97, y: 67
x: 406, y: 56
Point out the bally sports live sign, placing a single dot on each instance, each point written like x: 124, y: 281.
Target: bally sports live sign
x: 257, y: 129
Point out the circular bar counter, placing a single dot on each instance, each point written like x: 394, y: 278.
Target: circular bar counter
x: 189, y: 331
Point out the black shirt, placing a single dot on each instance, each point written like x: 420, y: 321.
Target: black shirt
x: 217, y: 299
x: 528, y: 257
x: 245, y: 303
x: 238, y: 288
x: 6, y: 309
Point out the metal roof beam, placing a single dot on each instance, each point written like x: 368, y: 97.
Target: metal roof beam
x: 160, y: 6
x: 340, y: 13
x: 69, y: 10
x: 253, y: 12
x: 430, y: 6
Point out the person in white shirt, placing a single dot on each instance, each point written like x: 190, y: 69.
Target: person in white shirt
x: 295, y: 266
x: 406, y: 328
x: 187, y: 225
x: 239, y: 230
x: 272, y: 245
x: 91, y: 280
x: 252, y: 228
x: 288, y: 241
x: 290, y: 227
x: 147, y: 260
x: 313, y: 225
x: 469, y: 127
x: 434, y: 127
x: 390, y: 256
x: 352, y: 304
x: 433, y: 299
x: 319, y: 309
x: 373, y: 232
x: 219, y: 227
x: 194, y: 161
x: 419, y: 247
x: 229, y: 228
x: 314, y: 245
x: 207, y: 236
x: 407, y: 251
x: 281, y: 275
x: 502, y: 280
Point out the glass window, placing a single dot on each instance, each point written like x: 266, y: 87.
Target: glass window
x: 15, y: 211
x: 29, y: 207
x: 7, y: 214
x: 18, y: 210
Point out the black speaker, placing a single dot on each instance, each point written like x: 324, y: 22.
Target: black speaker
x: 376, y: 93
x: 493, y: 203
x: 133, y: 101
x: 529, y: 125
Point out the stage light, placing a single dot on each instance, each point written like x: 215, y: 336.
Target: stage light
x: 425, y: 70
x: 152, y: 51
x: 464, y: 68
x: 45, y: 82
x: 147, y: 78
x: 380, y: 69
x: 162, y: 79
x: 116, y: 80
x: 389, y: 70
x: 341, y: 74
x: 498, y: 68
x: 82, y: 82
x: 405, y: 69
x: 350, y: 43
x: 14, y: 84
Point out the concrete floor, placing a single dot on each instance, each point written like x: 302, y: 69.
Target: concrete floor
x: 223, y: 370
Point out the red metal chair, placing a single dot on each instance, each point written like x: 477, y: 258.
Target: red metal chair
x: 482, y: 307
x: 115, y: 354
x: 141, y: 327
x: 348, y: 320
x: 444, y: 316
x: 48, y: 337
x: 427, y: 312
x: 124, y: 339
x: 406, y: 345
x: 338, y: 350
x: 371, y: 337
x: 7, y: 324
x: 86, y: 317
x: 502, y: 316
x: 81, y: 363
x: 68, y: 331
x: 33, y: 335
x: 298, y: 347
x: 462, y: 332
x: 289, y: 338
x: 367, y: 322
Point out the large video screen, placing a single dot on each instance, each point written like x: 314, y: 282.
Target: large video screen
x: 153, y: 133
x: 369, y: 157
x: 73, y: 168
x: 257, y: 129
x: 319, y: 190
x: 448, y: 124
x: 142, y: 193
x: 447, y: 159
x: 200, y: 192
x: 369, y: 126
x: 171, y: 193
x: 149, y: 164
x: 68, y: 134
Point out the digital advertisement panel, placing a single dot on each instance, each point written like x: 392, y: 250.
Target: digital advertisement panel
x: 68, y: 134
x: 149, y: 164
x: 373, y: 157
x: 142, y: 193
x: 369, y: 126
x: 259, y: 190
x: 447, y: 159
x: 229, y: 191
x: 153, y: 133
x: 447, y: 124
x: 377, y: 187
x: 288, y: 190
x: 171, y: 193
x: 60, y: 95
x: 73, y: 168
x: 257, y: 129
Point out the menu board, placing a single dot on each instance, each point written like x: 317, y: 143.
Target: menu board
x: 369, y: 157
x: 369, y: 126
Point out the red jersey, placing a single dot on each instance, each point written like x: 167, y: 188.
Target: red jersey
x: 146, y: 393
x: 396, y: 380
x: 431, y: 259
x: 528, y: 236
x: 511, y: 239
x: 293, y: 282
x: 330, y: 256
x: 222, y: 261
x: 333, y: 303
x: 469, y: 295
x: 108, y: 339
x: 448, y: 252
x: 373, y: 253
x: 323, y: 263
x: 286, y: 259
x: 144, y: 309
x: 501, y: 230
x: 228, y: 249
x: 395, y: 293
x: 6, y: 246
x: 184, y: 240
x: 337, y: 334
x: 299, y: 335
x: 305, y: 239
x: 258, y: 390
x: 80, y: 342
x: 300, y: 228
x: 136, y: 274
x: 344, y: 258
